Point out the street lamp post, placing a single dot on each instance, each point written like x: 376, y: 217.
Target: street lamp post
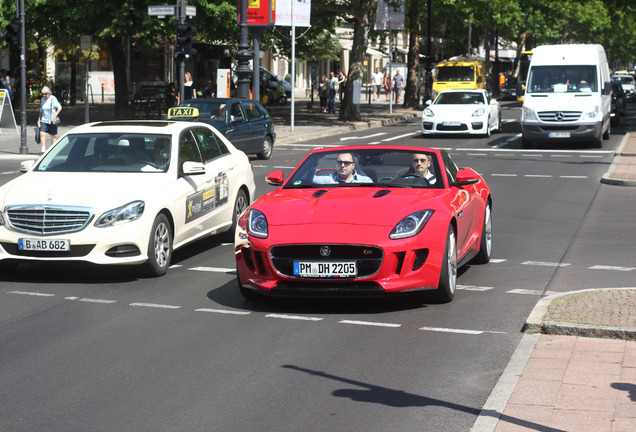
x: 23, y: 120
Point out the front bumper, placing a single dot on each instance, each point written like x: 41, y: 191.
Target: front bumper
x: 542, y: 132
x: 476, y: 126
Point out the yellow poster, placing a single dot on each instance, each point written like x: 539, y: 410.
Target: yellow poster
x: 254, y: 4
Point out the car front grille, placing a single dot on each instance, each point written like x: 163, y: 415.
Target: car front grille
x: 559, y: 116
x: 47, y: 219
x: 368, y: 258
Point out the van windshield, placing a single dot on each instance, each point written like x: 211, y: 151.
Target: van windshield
x: 455, y: 73
x: 562, y: 79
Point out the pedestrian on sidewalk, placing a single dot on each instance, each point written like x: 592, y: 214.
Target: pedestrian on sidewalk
x: 398, y: 82
x: 323, y: 93
x: 331, y: 101
x: 189, y: 90
x: 376, y: 81
x: 387, y: 86
x: 342, y: 83
x: 48, y: 118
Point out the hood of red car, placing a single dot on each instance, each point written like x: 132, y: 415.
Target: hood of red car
x: 346, y: 205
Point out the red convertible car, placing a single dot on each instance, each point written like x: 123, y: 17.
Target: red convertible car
x: 365, y: 221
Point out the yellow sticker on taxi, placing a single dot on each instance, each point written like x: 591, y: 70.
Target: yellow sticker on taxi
x: 183, y: 112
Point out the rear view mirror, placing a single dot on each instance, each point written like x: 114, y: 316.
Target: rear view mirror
x: 275, y: 178
x: 466, y: 176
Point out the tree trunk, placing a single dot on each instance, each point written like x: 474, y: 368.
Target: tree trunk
x: 362, y: 11
x: 116, y: 46
x: 411, y: 93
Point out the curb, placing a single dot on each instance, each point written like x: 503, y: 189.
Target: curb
x: 608, y: 176
x: 535, y: 323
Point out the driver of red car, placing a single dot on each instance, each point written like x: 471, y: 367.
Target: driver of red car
x: 345, y: 172
x: 420, y: 165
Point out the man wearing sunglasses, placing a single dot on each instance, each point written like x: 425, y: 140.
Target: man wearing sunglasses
x: 345, y: 172
x: 420, y: 165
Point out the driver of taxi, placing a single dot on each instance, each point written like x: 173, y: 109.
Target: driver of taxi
x: 345, y: 172
x: 161, y: 152
x: 420, y: 165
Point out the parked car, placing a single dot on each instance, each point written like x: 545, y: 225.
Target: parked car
x: 125, y: 193
x: 364, y: 221
x: 619, y: 102
x: 462, y: 112
x: 245, y: 122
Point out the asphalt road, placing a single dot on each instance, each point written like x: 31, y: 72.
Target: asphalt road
x: 86, y: 348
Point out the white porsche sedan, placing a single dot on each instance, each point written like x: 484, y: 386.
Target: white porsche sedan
x: 462, y: 112
x: 127, y: 192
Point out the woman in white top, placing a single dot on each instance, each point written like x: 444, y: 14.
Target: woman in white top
x: 48, y: 119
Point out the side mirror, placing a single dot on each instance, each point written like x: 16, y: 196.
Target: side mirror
x: 429, y: 102
x: 480, y: 79
x: 193, y: 168
x: 275, y: 178
x: 26, y: 165
x: 466, y: 176
x: 607, y: 88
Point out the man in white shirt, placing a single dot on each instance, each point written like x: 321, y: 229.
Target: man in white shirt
x: 376, y: 80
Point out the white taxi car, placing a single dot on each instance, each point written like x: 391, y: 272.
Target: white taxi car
x: 124, y: 193
x: 460, y: 111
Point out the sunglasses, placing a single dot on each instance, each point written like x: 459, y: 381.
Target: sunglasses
x: 345, y: 163
x: 420, y: 160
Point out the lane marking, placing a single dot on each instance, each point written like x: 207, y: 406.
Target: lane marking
x: 293, y: 317
x: 154, y: 305
x: 605, y: 267
x: 536, y: 152
x: 545, y: 264
x: 36, y: 294
x: 399, y: 136
x: 530, y: 292
x: 222, y: 311
x: 214, y: 269
x: 504, y: 175
x: 90, y: 300
x: 283, y: 167
x: 474, y: 288
x: 363, y: 137
x: 497, y: 260
x: 538, y: 175
x: 369, y: 323
x: 457, y: 331
x: 573, y: 177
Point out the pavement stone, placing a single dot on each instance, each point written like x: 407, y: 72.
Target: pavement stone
x: 574, y: 369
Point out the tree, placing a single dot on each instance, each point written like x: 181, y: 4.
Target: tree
x: 411, y: 91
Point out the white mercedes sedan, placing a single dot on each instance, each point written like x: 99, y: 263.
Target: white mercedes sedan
x: 125, y: 192
x: 462, y: 112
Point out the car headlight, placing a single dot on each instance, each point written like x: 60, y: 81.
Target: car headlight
x: 528, y: 114
x: 411, y: 225
x: 591, y: 115
x: 478, y: 113
x: 428, y: 113
x: 257, y: 224
x: 127, y: 213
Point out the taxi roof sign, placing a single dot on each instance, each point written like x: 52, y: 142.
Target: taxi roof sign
x: 183, y: 112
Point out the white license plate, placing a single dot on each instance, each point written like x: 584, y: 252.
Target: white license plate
x: 325, y: 269
x: 451, y: 123
x: 559, y: 134
x: 44, y: 245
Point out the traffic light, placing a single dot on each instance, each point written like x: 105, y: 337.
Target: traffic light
x: 13, y: 33
x: 185, y: 39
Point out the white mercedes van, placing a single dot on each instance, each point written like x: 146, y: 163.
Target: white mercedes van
x: 568, y: 95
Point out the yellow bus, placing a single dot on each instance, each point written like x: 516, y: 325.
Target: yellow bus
x: 524, y: 65
x: 459, y: 74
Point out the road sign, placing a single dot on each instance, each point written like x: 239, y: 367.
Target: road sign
x: 161, y: 11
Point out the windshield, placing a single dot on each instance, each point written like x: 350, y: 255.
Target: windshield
x: 212, y: 109
x: 624, y: 79
x: 455, y: 73
x: 111, y: 152
x: 562, y: 79
x: 373, y: 167
x: 460, y: 98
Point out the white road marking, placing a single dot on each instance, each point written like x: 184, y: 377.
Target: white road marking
x: 293, y: 317
x: 573, y: 177
x: 398, y: 137
x: 222, y: 311
x: 504, y: 175
x: 155, y: 305
x: 369, y: 323
x: 474, y: 288
x: 545, y: 264
x: 363, y: 137
x: 214, y: 269
x: 36, y: 294
x: 530, y: 292
x: 7, y: 172
x: 450, y: 330
x: 476, y: 154
x: 310, y: 145
x: 537, y: 175
x: 604, y: 267
x: 283, y: 167
x: 90, y: 300
x: 537, y: 152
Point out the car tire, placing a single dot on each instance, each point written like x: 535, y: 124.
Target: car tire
x: 266, y: 149
x: 240, y: 204
x: 499, y: 124
x: 159, y: 248
x: 525, y: 143
x: 608, y: 132
x: 485, y: 244
x: 487, y: 133
x: 282, y: 100
x: 448, y: 274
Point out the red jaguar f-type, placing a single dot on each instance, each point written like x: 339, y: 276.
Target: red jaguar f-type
x: 365, y: 221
